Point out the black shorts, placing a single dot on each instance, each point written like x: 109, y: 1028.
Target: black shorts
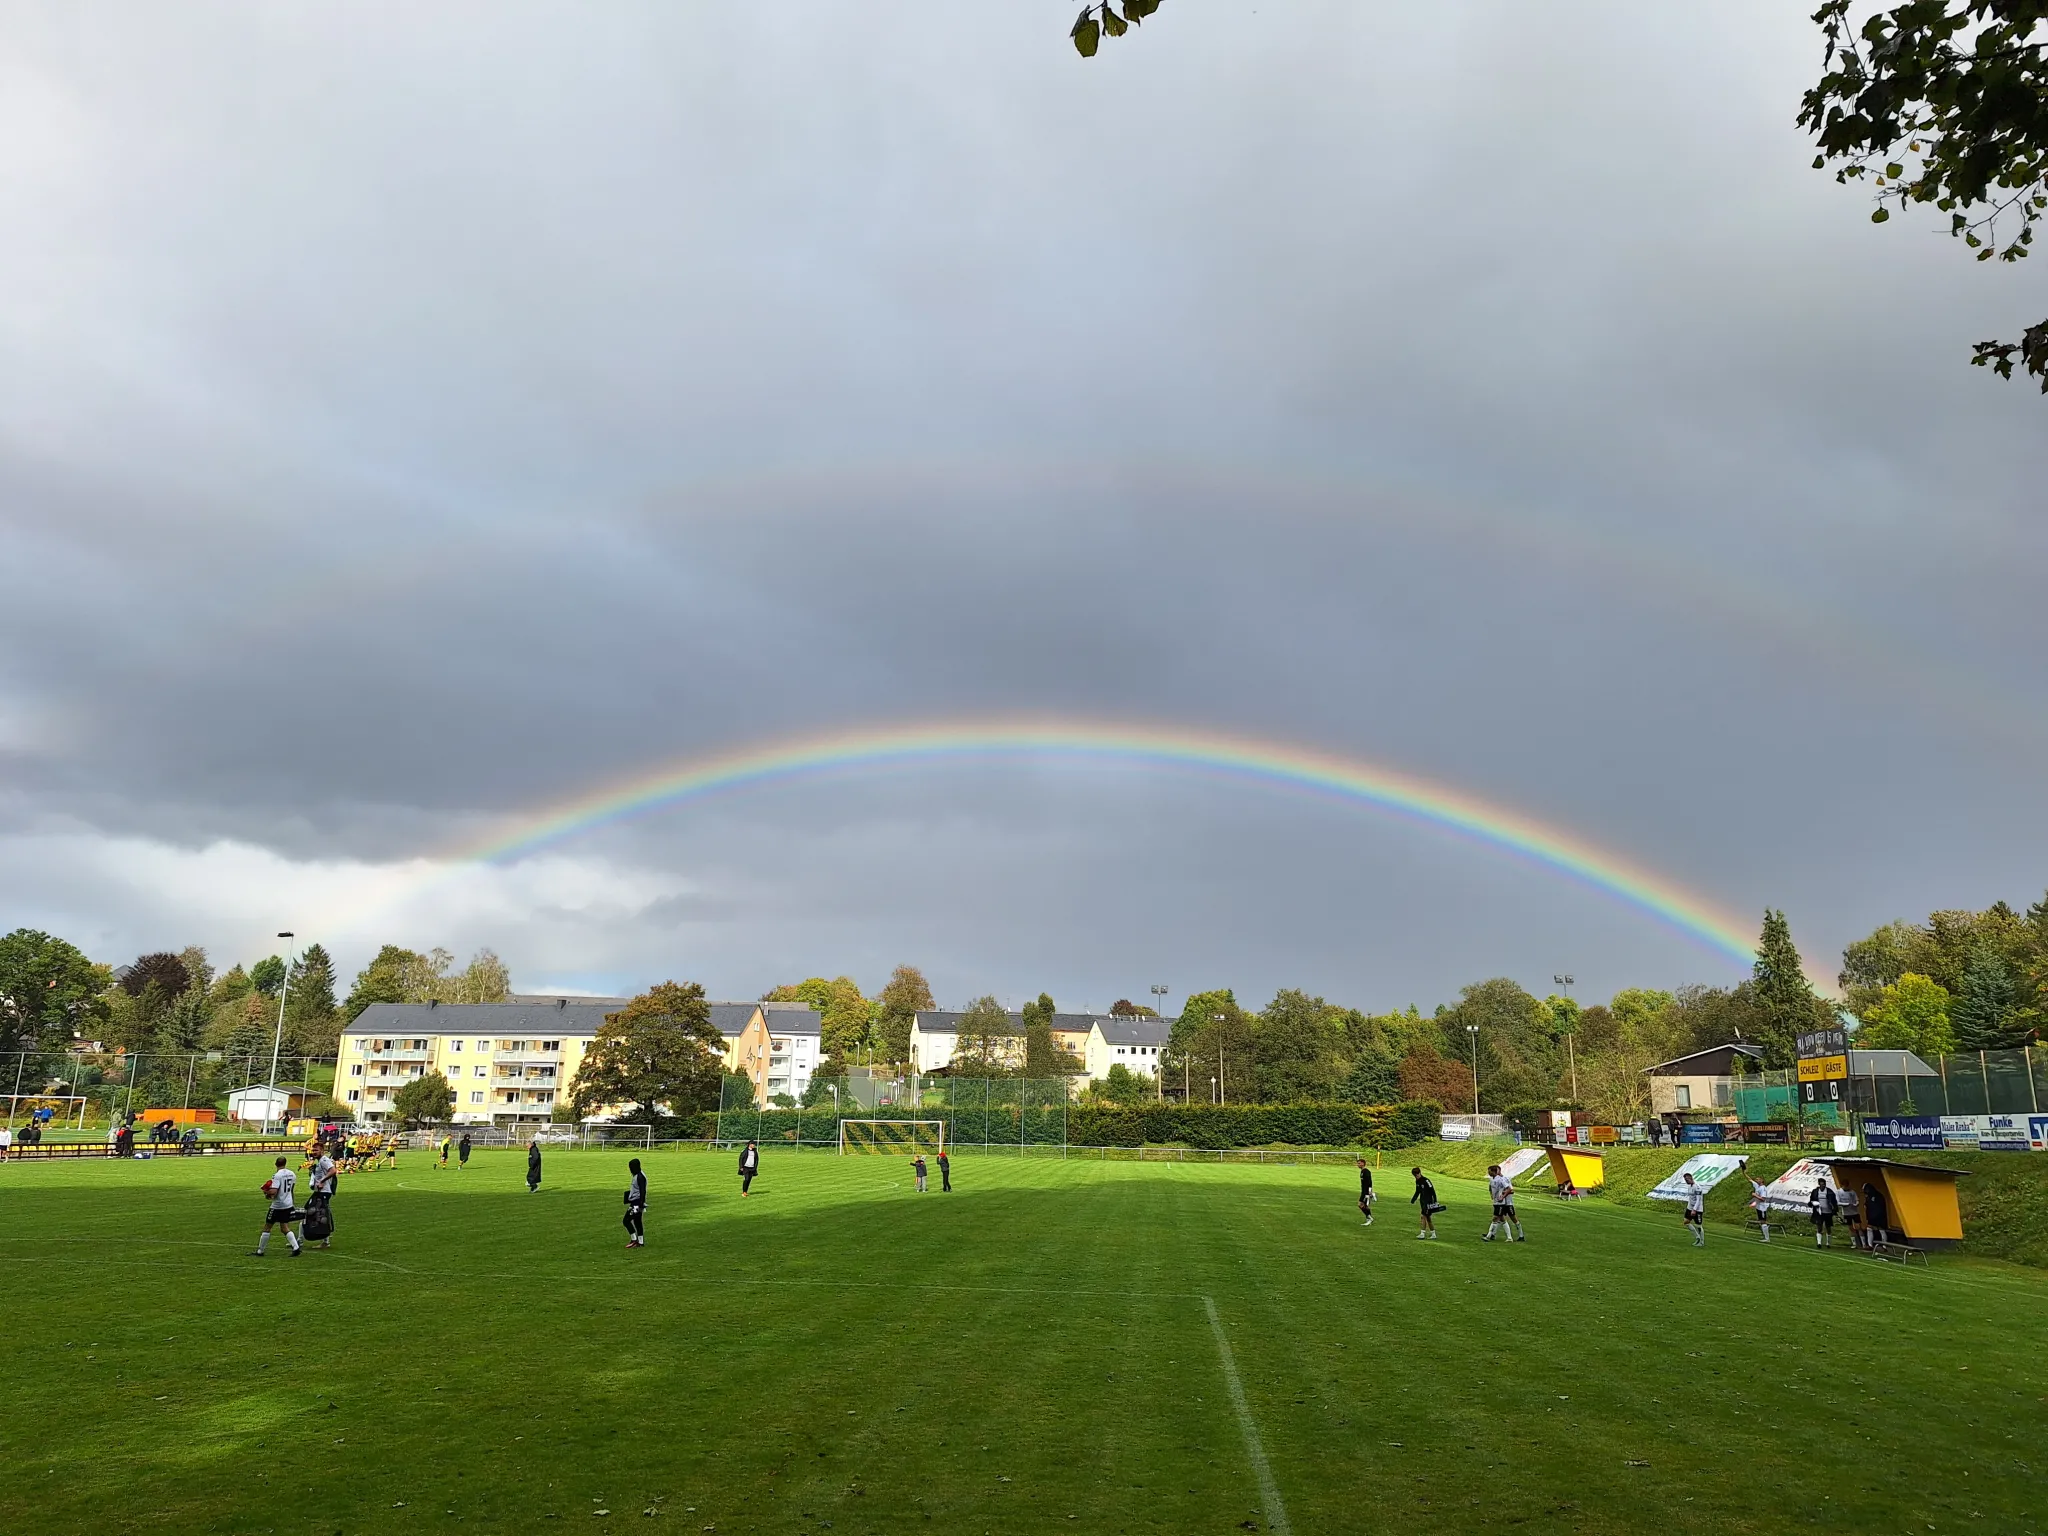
x: 1695, y: 1217
x: 1504, y: 1211
x: 1824, y: 1223
x: 279, y: 1216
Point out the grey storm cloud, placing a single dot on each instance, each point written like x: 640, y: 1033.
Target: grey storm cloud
x: 413, y: 419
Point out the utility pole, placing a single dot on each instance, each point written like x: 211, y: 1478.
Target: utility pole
x: 1473, y: 1031
x: 1570, y: 1055
x: 1159, y: 1071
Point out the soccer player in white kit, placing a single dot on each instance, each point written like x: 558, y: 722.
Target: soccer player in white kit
x: 1696, y: 1212
x: 281, y: 1187
x: 1502, y: 1188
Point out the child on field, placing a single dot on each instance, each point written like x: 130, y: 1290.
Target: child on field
x: 917, y: 1167
x: 636, y: 1206
x: 1365, y: 1194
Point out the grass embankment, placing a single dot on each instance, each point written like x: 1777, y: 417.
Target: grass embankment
x: 1032, y: 1353
x: 2004, y: 1200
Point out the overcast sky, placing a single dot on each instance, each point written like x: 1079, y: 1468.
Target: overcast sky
x: 412, y: 417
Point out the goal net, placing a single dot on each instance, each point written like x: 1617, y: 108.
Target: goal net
x: 904, y: 1137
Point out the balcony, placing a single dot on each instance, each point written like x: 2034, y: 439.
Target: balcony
x: 396, y: 1055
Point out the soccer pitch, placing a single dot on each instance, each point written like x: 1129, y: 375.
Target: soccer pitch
x: 1034, y: 1351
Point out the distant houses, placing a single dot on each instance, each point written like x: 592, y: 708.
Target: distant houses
x: 1099, y: 1040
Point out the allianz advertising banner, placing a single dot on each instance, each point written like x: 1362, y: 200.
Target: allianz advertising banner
x: 1904, y: 1133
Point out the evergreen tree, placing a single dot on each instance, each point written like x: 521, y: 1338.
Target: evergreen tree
x: 311, y: 1022
x: 1785, y: 1000
x: 268, y: 974
x: 1983, y: 1014
x: 1374, y: 1078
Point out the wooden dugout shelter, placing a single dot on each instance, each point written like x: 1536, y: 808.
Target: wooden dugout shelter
x: 1920, y: 1202
x: 1577, y: 1167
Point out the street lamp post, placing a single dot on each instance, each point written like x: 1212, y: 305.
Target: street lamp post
x: 1473, y: 1031
x: 1158, y: 1072
x: 1570, y: 1055
x: 1222, y: 1092
x: 277, y: 1040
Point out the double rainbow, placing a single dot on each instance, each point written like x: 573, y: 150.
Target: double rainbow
x: 1350, y: 780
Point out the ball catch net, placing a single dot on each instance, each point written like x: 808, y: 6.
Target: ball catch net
x: 905, y: 1138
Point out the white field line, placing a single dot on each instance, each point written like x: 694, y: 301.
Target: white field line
x: 1269, y: 1491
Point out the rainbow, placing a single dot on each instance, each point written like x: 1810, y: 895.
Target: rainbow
x: 1283, y: 765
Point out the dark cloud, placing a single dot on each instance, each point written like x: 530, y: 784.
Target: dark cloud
x: 413, y: 419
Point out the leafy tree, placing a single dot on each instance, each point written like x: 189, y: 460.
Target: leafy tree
x: 268, y: 974
x: 1044, y: 1056
x: 1428, y: 1077
x: 906, y: 995
x: 1943, y: 102
x: 1214, y: 1037
x: 164, y: 970
x: 1983, y: 1013
x: 381, y: 981
x: 230, y: 986
x: 1120, y: 1085
x: 659, y: 1054
x: 1786, y: 1006
x: 50, y: 993
x: 987, y: 1043
x: 1520, y: 1060
x: 1105, y: 18
x: 1124, y: 1008
x: 845, y: 1017
x: 198, y: 969
x: 486, y: 979
x: 426, y: 1100
x: 1911, y: 1014
x: 1295, y: 1039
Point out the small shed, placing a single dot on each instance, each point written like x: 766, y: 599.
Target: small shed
x: 1576, y: 1167
x: 260, y: 1103
x: 1920, y: 1201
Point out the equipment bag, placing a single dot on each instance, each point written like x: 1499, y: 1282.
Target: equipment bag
x: 319, y: 1223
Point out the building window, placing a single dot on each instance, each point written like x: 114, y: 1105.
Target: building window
x: 483, y: 1045
x: 476, y: 1098
x: 551, y: 1045
x: 356, y: 1070
x: 1684, y: 1092
x: 454, y: 1045
x: 354, y: 1094
x: 482, y: 1071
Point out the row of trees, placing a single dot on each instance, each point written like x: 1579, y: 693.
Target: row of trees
x: 1960, y: 980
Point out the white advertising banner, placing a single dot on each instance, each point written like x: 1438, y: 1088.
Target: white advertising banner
x: 1520, y: 1162
x: 1792, y: 1190
x: 1707, y: 1170
x: 1992, y: 1133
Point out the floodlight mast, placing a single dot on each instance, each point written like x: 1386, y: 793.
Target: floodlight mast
x: 1570, y: 1055
x: 277, y: 1041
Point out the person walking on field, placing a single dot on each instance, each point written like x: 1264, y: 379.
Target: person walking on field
x: 1425, y: 1198
x: 447, y: 1141
x: 279, y: 1189
x: 1823, y: 1203
x: 636, y: 1206
x: 945, y: 1173
x: 326, y: 1178
x: 1696, y: 1212
x: 750, y: 1164
x: 1365, y: 1194
x: 917, y: 1167
x: 533, y: 1165
x: 462, y: 1153
x: 1502, y: 1188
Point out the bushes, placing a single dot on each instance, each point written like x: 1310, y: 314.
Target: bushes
x: 1091, y: 1125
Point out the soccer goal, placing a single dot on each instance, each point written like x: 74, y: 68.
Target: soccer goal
x: 907, y: 1137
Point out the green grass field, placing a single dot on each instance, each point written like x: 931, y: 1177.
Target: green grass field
x: 1033, y: 1352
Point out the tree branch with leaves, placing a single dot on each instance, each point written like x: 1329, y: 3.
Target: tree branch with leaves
x: 1943, y: 102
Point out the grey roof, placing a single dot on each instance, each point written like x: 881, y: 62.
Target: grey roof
x: 570, y: 1016
x: 551, y: 998
x: 1119, y: 1030
x: 793, y: 1018
x: 731, y: 1018
x: 1888, y: 1064
x: 1740, y: 1047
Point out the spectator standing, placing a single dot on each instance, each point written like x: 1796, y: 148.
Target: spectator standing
x: 945, y: 1173
x: 750, y: 1164
x: 533, y: 1165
